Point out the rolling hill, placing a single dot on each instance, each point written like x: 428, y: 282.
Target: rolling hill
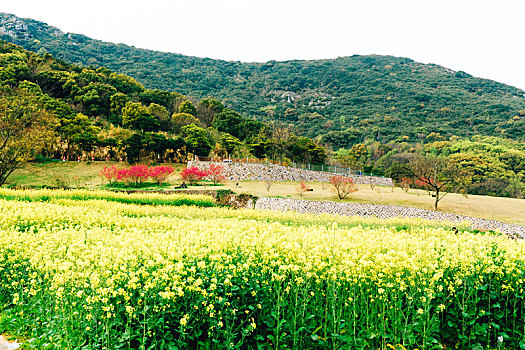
x: 341, y: 101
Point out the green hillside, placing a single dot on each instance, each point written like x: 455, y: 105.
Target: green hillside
x: 342, y: 101
x: 52, y: 109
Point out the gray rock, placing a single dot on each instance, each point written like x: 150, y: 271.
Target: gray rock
x: 384, y: 212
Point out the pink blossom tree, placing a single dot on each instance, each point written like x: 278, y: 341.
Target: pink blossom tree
x: 216, y: 174
x: 134, y: 176
x: 343, y: 186
x: 110, y: 174
x: 160, y: 173
x: 193, y: 174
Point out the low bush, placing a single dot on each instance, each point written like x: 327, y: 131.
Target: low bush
x: 193, y: 174
x: 160, y: 173
x: 137, y: 175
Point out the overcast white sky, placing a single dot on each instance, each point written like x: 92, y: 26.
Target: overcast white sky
x: 483, y: 38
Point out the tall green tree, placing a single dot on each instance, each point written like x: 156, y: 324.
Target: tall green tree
x: 179, y: 120
x: 25, y: 127
x: 133, y: 147
x: 207, y: 109
x: 77, y: 131
x: 188, y: 107
x: 229, y: 121
x: 136, y: 116
x: 161, y: 114
x: 196, y: 139
x: 118, y: 102
x: 229, y: 143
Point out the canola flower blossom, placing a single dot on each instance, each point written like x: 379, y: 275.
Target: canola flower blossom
x: 98, y: 273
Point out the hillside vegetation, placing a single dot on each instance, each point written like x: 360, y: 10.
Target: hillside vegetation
x: 100, y: 114
x: 348, y: 98
x: 392, y: 110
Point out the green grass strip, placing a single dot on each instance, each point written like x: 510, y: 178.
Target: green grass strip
x: 120, y: 197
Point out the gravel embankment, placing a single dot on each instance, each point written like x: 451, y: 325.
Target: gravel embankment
x: 274, y: 172
x: 385, y: 211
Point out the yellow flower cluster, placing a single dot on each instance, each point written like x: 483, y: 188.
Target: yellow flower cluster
x: 96, y: 261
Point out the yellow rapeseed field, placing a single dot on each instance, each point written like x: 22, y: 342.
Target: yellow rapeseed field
x: 84, y: 273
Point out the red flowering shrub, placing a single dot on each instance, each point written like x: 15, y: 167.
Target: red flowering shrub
x: 216, y: 174
x: 110, y: 174
x: 343, y: 186
x: 193, y: 174
x: 134, y: 176
x: 160, y: 173
x: 302, y: 188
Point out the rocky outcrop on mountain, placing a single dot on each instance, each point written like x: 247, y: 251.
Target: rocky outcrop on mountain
x: 14, y: 27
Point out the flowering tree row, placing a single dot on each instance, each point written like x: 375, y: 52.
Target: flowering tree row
x: 214, y: 173
x: 136, y: 175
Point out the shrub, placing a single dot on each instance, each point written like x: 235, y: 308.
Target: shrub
x: 302, y: 188
x: 110, y: 174
x: 222, y: 194
x: 216, y: 174
x: 134, y: 176
x: 160, y: 173
x: 343, y: 185
x: 193, y: 174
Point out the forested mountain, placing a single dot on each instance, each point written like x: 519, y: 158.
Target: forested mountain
x: 99, y: 114
x: 340, y: 101
x: 391, y: 110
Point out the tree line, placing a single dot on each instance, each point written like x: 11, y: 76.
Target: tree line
x: 51, y: 109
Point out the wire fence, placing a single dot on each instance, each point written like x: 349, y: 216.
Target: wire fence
x: 315, y: 167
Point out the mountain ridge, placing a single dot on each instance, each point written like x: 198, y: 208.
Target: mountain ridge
x: 373, y: 96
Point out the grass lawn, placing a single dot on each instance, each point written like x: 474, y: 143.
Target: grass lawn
x: 72, y: 174
x: 85, y: 175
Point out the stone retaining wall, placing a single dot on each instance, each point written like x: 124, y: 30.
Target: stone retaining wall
x: 274, y: 172
x: 384, y: 211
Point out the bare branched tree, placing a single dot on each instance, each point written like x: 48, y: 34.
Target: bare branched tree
x: 438, y: 174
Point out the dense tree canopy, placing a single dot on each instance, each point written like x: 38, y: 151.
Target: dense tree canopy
x: 25, y: 128
x: 196, y: 139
